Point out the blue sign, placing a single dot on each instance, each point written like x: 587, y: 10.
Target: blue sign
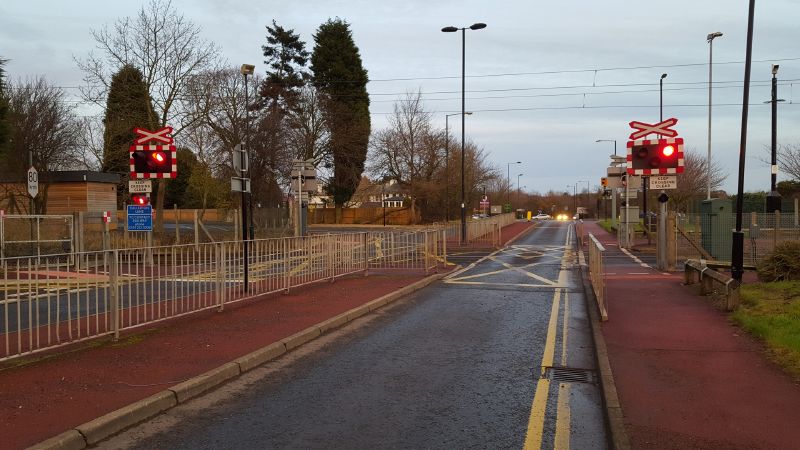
x: 140, y: 218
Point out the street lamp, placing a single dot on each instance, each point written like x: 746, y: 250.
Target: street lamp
x: 661, y: 97
x: 508, y: 180
x: 452, y: 29
x: 774, y: 197
x: 710, y: 39
x: 737, y: 239
x: 518, y: 189
x: 246, y: 69
x: 610, y: 140
x: 447, y: 163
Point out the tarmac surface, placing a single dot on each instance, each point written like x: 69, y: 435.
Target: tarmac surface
x: 686, y: 377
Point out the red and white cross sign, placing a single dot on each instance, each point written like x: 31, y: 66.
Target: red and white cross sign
x: 107, y: 216
x: 662, y: 128
x: 163, y: 135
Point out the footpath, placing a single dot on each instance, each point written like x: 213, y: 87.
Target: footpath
x: 686, y: 377
x: 80, y: 394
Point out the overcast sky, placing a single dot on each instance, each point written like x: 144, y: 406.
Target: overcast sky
x: 545, y: 79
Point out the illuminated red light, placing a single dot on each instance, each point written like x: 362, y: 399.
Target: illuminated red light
x: 159, y: 156
x: 668, y: 150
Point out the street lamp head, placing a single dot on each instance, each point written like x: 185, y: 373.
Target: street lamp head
x: 519, y: 162
x: 449, y: 29
x: 713, y: 35
x: 469, y: 113
x: 247, y: 69
x: 775, y: 69
x: 477, y: 26
x: 663, y: 75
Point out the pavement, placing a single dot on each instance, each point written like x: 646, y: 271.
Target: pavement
x: 684, y: 376
x: 75, y: 396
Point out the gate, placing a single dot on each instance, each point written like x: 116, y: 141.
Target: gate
x: 36, y: 235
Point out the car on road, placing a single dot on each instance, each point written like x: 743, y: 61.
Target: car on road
x: 562, y: 217
x: 541, y: 217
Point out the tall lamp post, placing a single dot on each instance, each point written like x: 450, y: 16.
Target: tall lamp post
x: 737, y: 239
x: 587, y: 192
x: 508, y: 180
x: 710, y: 39
x: 613, y: 191
x: 518, y: 189
x: 610, y: 140
x: 447, y: 163
x: 774, y: 197
x: 246, y: 69
x: 452, y: 29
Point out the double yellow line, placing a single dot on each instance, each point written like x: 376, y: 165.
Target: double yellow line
x: 534, y: 434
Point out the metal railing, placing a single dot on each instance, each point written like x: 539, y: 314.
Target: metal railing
x: 596, y: 250
x: 481, y: 231
x: 713, y: 233
x: 45, y: 302
x: 36, y: 234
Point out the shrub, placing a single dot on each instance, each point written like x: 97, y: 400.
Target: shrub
x: 782, y: 264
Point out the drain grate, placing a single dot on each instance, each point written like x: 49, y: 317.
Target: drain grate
x: 570, y: 375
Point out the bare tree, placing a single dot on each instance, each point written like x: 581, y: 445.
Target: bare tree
x: 307, y: 133
x: 43, y: 125
x: 91, y: 142
x: 789, y: 160
x: 166, y: 47
x: 408, y: 150
x: 693, y: 184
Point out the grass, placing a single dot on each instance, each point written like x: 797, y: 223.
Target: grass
x: 606, y: 225
x: 771, y: 313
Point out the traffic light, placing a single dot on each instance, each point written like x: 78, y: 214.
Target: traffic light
x: 140, y: 199
x: 153, y: 161
x: 655, y: 157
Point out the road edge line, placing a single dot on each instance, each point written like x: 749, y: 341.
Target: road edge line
x: 615, y: 422
x: 120, y: 419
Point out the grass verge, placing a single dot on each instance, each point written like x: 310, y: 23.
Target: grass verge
x: 771, y: 313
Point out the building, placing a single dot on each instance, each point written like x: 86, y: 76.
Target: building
x: 62, y: 192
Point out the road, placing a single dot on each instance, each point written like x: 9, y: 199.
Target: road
x: 498, y: 355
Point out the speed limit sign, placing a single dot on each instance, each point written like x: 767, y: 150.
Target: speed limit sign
x: 33, y: 182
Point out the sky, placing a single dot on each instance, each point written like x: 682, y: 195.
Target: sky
x: 544, y: 80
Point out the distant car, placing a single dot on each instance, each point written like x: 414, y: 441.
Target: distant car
x: 562, y: 217
x: 541, y: 217
x: 479, y: 216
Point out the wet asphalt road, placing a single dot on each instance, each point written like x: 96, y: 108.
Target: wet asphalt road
x: 498, y: 355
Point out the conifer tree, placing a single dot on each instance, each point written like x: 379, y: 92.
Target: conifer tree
x: 341, y: 78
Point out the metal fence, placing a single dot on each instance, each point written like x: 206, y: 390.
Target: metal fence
x: 710, y: 236
x: 596, y: 250
x: 482, y: 231
x: 45, y: 302
x: 36, y: 234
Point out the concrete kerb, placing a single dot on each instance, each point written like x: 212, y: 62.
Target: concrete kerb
x: 111, y: 423
x: 615, y: 423
x: 114, y: 422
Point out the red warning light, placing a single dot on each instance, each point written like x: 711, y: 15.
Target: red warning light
x: 668, y: 150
